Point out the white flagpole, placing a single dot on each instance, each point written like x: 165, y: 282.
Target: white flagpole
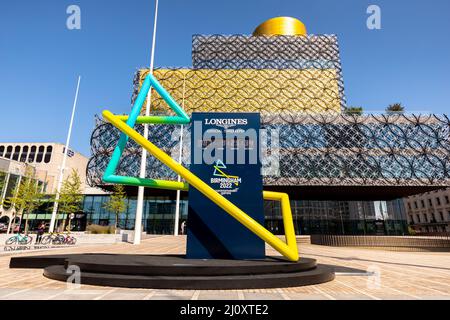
x: 180, y: 158
x: 142, y: 173
x: 177, y: 205
x: 61, y: 171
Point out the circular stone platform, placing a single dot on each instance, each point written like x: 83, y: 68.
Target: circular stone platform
x: 177, y: 272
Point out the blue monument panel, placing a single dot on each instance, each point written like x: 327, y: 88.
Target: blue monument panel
x: 225, y: 155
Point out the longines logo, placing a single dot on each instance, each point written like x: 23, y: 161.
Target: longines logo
x: 226, y: 123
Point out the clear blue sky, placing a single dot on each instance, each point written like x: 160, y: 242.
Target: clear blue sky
x: 407, y: 61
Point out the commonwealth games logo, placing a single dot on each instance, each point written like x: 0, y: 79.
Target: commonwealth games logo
x: 227, y: 182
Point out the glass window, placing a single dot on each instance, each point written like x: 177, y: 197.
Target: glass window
x: 423, y: 203
x: 441, y: 215
x: 16, y: 153
x: 415, y: 205
x: 32, y: 154
x: 131, y: 212
x: 48, y: 154
x: 89, y: 209
x: 24, y: 155
x: 87, y: 203
x: 3, y: 177
x: 8, y: 152
x: 2, y: 149
x: 130, y: 224
x: 40, y: 154
x: 447, y: 200
x: 430, y: 202
x: 438, y: 200
x: 12, y: 184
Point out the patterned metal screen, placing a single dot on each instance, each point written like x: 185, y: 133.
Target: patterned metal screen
x: 395, y: 150
x: 312, y: 52
x: 268, y: 91
x: 296, y: 84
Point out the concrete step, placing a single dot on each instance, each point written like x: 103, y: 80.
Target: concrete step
x: 303, y: 239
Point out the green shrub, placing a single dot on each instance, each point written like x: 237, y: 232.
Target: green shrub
x: 411, y: 231
x: 97, y: 229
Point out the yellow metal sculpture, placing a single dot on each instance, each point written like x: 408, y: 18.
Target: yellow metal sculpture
x: 125, y: 125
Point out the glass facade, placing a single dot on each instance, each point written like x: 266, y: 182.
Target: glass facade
x: 310, y: 217
x: 158, y: 216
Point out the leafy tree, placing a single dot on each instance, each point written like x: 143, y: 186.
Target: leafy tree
x: 395, y: 108
x: 353, y: 111
x: 70, y: 197
x: 26, y: 196
x: 117, y: 202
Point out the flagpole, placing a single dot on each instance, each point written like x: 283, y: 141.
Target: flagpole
x: 180, y: 158
x: 61, y: 170
x: 177, y: 204
x: 142, y: 173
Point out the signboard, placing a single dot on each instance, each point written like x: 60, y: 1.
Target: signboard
x: 225, y: 155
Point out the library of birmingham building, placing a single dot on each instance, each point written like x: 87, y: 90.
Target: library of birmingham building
x: 345, y: 173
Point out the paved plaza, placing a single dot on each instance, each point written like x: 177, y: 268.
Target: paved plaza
x: 360, y: 274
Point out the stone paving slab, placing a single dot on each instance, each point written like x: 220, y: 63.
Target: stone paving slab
x: 218, y: 296
x: 362, y: 274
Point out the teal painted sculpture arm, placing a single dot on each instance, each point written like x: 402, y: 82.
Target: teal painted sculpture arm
x: 134, y: 118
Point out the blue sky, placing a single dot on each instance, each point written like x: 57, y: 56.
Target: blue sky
x: 407, y: 61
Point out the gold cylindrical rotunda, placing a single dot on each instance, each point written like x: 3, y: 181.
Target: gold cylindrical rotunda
x: 287, y: 26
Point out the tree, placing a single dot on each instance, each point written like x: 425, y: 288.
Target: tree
x: 353, y: 111
x: 395, y: 108
x: 70, y: 197
x: 117, y: 202
x: 26, y: 196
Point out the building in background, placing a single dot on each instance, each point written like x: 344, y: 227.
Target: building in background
x: 45, y: 159
x: 344, y: 173
x: 429, y: 212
